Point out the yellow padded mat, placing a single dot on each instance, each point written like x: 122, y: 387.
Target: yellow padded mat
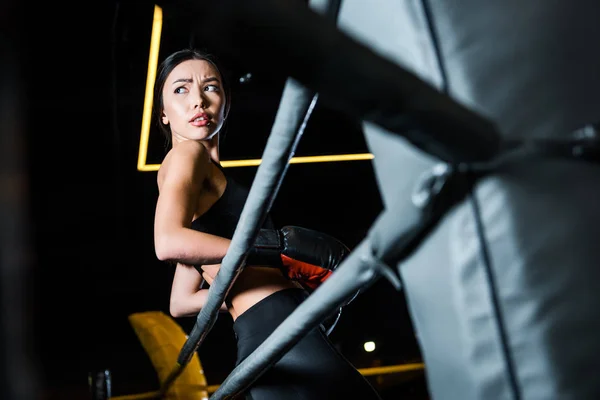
x: 162, y: 338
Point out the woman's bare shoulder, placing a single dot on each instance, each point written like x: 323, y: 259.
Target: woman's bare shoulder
x: 183, y: 161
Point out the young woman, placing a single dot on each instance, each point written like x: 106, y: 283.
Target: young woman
x: 197, y: 211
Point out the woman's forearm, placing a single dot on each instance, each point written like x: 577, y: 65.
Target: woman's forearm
x: 189, y: 306
x: 188, y: 246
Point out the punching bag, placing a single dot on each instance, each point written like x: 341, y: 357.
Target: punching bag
x: 504, y: 293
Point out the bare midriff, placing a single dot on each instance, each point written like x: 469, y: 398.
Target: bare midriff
x: 254, y: 284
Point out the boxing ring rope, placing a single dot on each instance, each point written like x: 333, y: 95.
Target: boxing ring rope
x: 460, y: 139
x: 19, y: 375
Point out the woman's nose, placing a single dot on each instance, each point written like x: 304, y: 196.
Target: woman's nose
x: 201, y: 101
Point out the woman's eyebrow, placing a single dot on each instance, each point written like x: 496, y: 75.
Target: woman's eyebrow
x: 182, y: 80
x: 190, y: 80
x: 211, y: 79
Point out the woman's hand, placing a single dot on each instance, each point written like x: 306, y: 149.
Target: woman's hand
x: 209, y: 272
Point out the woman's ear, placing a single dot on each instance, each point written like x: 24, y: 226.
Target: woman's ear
x: 164, y: 119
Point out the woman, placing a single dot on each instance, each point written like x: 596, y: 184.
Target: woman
x: 197, y: 211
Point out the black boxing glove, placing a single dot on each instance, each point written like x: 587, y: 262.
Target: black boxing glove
x: 302, y: 254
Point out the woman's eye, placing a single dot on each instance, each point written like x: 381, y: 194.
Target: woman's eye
x: 180, y: 90
x: 211, y: 88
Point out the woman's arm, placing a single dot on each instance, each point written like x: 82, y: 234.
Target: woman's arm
x: 180, y: 181
x: 187, y: 299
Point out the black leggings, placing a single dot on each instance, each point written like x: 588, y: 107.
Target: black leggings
x: 313, y: 369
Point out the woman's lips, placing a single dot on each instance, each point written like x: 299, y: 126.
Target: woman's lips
x: 200, y: 122
x: 200, y: 119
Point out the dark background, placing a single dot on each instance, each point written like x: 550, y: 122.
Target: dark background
x: 82, y: 80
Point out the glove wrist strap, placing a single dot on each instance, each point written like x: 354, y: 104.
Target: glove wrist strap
x: 268, y: 239
x: 267, y: 249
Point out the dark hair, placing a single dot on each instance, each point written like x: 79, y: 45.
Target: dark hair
x: 165, y: 68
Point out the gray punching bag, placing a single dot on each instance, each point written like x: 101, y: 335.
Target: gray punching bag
x: 526, y: 324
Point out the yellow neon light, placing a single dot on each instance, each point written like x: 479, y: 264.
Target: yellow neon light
x: 147, y: 115
x: 391, y: 369
x: 294, y: 160
x: 149, y: 96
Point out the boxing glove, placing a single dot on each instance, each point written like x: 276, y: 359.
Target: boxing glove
x: 302, y: 254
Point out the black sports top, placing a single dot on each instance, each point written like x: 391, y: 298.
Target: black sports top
x: 222, y: 218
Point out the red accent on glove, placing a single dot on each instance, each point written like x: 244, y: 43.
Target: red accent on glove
x: 308, y: 274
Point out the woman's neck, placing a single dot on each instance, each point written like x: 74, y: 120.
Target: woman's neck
x: 212, y: 146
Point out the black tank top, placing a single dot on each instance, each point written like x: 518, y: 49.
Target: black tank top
x: 222, y: 218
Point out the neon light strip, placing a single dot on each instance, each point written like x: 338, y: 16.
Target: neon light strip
x: 149, y: 95
x: 294, y: 160
x: 147, y: 115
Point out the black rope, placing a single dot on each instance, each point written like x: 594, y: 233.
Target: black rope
x: 493, y: 286
x: 436, y: 45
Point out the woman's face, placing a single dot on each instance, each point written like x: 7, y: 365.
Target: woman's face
x: 193, y: 101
